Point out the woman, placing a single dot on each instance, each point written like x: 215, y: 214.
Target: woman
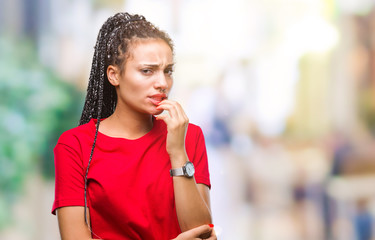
x: 124, y: 173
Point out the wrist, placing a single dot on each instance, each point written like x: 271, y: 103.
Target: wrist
x: 178, y: 160
x: 187, y: 170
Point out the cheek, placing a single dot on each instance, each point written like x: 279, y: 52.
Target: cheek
x: 132, y: 92
x: 132, y: 84
x: 170, y: 83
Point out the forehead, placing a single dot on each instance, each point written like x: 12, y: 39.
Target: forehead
x: 154, y: 50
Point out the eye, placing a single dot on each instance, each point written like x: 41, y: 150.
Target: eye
x: 168, y: 71
x: 146, y: 71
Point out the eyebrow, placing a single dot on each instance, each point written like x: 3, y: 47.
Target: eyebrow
x: 156, y: 65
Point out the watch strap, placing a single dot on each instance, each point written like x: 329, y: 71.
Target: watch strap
x: 177, y: 172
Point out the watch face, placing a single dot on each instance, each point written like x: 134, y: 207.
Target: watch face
x: 190, y: 169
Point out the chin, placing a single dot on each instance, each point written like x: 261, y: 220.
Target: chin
x: 156, y: 112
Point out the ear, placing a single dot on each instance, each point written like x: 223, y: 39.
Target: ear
x: 113, y: 74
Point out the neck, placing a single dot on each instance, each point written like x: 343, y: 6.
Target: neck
x: 127, y: 124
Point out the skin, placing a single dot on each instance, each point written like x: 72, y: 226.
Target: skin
x: 142, y: 89
x: 197, y: 232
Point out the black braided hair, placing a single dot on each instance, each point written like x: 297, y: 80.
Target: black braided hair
x: 111, y: 48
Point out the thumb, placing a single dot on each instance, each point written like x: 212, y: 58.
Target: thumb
x: 161, y: 117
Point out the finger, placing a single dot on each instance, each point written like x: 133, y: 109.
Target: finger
x: 213, y: 235
x: 184, y: 116
x: 206, y: 235
x: 178, y: 107
x: 171, y: 108
x: 163, y: 117
x: 200, y: 230
x: 177, y: 112
x: 181, y: 111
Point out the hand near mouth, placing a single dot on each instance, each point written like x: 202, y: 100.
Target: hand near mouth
x: 177, y: 124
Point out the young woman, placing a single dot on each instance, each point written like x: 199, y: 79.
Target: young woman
x: 127, y: 172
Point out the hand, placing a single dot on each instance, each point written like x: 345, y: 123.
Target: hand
x: 177, y: 123
x: 197, y: 233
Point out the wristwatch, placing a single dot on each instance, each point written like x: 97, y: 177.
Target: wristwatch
x: 187, y: 170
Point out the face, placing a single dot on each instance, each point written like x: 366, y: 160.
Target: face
x: 146, y: 79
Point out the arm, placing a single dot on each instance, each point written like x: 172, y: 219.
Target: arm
x: 69, y: 188
x: 192, y: 202
x: 192, y: 199
x: 72, y: 223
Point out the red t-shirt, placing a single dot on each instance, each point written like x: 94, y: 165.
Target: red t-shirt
x: 130, y: 192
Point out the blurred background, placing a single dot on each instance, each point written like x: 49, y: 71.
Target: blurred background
x: 284, y: 91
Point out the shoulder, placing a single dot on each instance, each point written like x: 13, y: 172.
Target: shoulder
x: 73, y: 135
x: 194, y: 134
x: 194, y: 129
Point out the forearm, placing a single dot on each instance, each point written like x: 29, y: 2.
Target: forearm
x: 72, y: 223
x: 192, y: 201
x: 192, y: 208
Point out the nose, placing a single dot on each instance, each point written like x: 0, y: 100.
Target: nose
x: 161, y: 82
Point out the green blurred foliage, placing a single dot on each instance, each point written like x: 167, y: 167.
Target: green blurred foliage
x: 36, y: 106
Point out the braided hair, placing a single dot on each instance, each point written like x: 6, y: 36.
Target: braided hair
x: 112, y: 48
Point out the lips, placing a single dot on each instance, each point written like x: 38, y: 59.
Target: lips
x: 157, y: 98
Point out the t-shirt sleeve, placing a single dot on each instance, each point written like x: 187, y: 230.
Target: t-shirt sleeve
x: 200, y: 160
x: 69, y: 173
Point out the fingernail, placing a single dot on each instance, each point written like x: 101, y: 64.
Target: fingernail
x: 211, y: 225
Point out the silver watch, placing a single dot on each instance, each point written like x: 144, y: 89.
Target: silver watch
x: 187, y: 170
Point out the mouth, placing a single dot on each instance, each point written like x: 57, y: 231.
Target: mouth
x: 157, y: 98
